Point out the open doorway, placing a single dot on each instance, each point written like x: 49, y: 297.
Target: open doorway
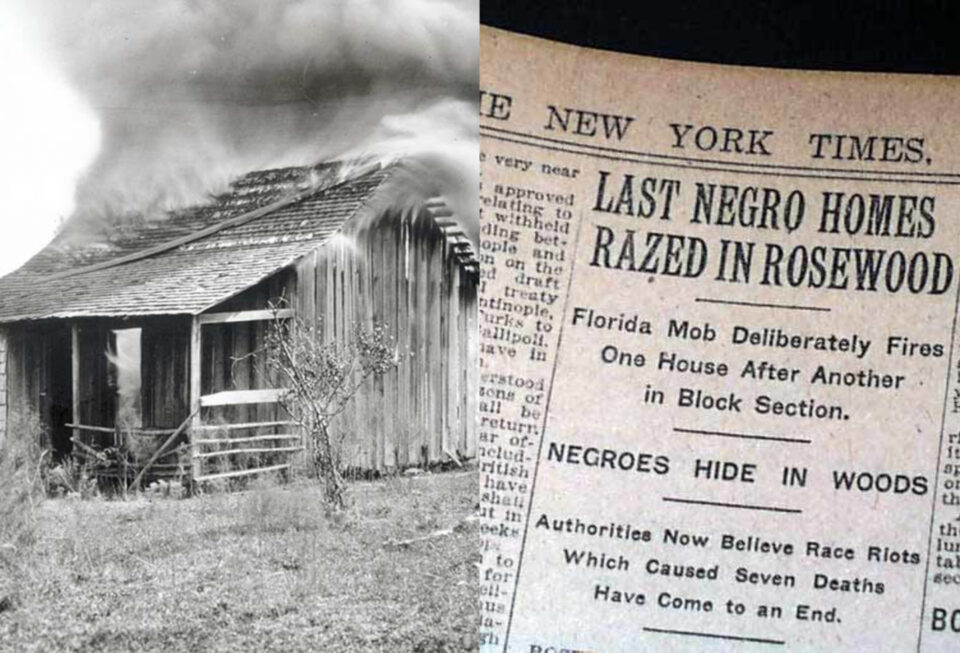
x: 124, y: 356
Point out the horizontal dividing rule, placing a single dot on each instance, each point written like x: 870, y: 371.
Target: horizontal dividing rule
x: 739, y: 506
x: 789, y: 307
x: 743, y: 436
x: 693, y: 163
x: 696, y: 633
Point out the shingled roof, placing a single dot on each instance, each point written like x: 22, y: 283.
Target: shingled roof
x: 196, y: 257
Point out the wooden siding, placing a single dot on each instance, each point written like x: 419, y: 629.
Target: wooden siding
x: 225, y: 362
x: 97, y: 388
x: 37, y: 371
x: 3, y: 385
x: 27, y: 373
x: 401, y: 272
x: 164, y: 353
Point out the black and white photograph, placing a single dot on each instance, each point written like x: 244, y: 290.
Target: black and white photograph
x: 239, y: 271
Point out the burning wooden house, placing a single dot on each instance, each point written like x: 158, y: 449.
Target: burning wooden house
x: 124, y: 337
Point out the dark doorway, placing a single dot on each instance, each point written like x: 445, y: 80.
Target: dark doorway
x: 60, y: 391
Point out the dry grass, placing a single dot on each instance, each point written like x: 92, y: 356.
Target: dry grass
x: 21, y: 495
x: 265, y: 570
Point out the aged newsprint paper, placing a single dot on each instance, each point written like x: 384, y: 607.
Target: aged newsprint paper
x: 720, y: 389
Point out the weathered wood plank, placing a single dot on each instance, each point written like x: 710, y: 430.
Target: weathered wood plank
x: 403, y: 345
x: 452, y: 356
x: 75, y: 376
x: 195, y: 362
x: 473, y: 371
x: 435, y: 374
x: 113, y: 430
x: 465, y: 361
x: 244, y: 425
x: 95, y: 429
x: 421, y: 283
x: 392, y: 294
x: 242, y: 472
x: 308, y: 293
x: 241, y: 397
x: 365, y: 405
x: 252, y: 438
x: 3, y: 385
x: 348, y: 420
x: 246, y: 316
x: 378, y: 268
x: 231, y: 452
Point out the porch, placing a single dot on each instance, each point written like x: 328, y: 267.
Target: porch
x: 158, y: 397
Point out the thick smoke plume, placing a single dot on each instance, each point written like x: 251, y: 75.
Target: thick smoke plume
x: 192, y: 93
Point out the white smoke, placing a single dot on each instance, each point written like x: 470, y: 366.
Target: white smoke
x: 192, y: 93
x: 48, y: 136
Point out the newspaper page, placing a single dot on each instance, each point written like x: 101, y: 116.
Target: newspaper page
x: 720, y: 389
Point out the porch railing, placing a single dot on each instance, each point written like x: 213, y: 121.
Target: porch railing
x: 212, y: 443
x: 203, y: 456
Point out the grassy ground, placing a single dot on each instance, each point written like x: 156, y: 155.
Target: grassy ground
x: 262, y: 570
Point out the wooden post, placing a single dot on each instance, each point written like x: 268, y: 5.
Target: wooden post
x: 75, y: 377
x: 196, y: 351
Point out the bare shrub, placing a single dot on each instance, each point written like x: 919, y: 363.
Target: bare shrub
x: 321, y: 378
